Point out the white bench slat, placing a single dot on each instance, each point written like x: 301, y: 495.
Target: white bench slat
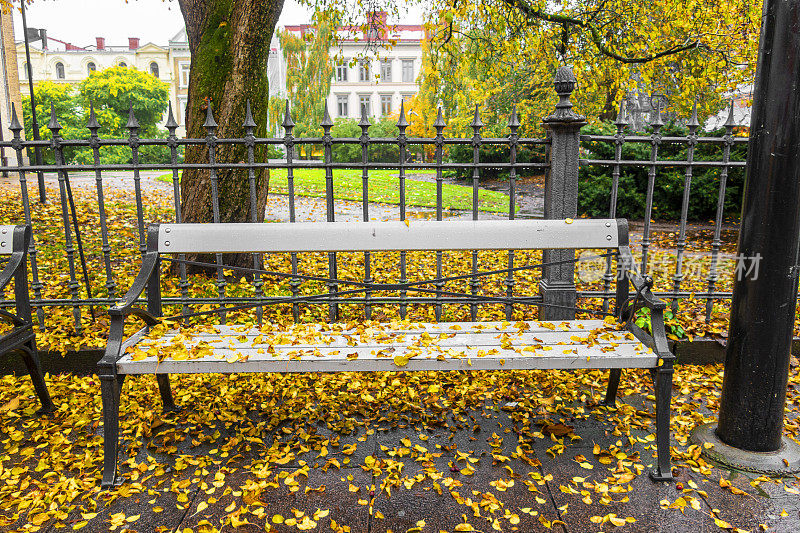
x: 462, y: 328
x: 406, y: 339
x: 385, y: 236
x: 627, y: 352
x: 624, y: 356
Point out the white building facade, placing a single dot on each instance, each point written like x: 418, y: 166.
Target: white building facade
x: 377, y: 81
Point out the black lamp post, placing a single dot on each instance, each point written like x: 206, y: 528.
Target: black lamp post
x: 751, y: 415
x: 35, y: 123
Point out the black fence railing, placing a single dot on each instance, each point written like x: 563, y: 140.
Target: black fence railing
x: 562, y: 158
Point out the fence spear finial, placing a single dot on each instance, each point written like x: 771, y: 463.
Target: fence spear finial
x: 92, y: 125
x: 730, y: 123
x: 513, y: 120
x: 133, y: 123
x: 54, y: 126
x: 171, y: 124
x: 622, y: 116
x: 476, y: 120
x: 288, y: 123
x: 693, y: 123
x: 364, y: 122
x: 15, y: 126
x: 210, y: 123
x: 402, y: 123
x: 327, y: 122
x: 439, y: 120
x: 248, y: 116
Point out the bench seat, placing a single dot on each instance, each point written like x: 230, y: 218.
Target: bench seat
x: 584, y: 344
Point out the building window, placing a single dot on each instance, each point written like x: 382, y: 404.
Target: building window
x: 154, y: 69
x: 90, y: 67
x: 182, y: 109
x: 341, y: 104
x: 363, y: 70
x: 408, y: 71
x: 386, y: 71
x: 386, y: 104
x: 184, y: 74
x: 25, y: 71
x: 60, y: 75
x: 341, y: 72
x: 364, y: 105
x: 123, y: 64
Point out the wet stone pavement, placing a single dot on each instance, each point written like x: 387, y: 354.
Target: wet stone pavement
x: 473, y: 462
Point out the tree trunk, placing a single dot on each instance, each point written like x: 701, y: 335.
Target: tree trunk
x: 229, y: 41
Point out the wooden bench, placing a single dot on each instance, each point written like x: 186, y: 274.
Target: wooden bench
x: 21, y: 338
x: 574, y: 344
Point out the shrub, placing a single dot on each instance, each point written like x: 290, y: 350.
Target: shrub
x: 378, y: 153
x: 594, y: 185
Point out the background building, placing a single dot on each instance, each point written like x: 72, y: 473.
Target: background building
x: 375, y: 80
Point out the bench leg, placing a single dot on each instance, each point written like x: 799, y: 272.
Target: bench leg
x: 663, y: 389
x: 110, y: 388
x: 31, y: 358
x: 166, y: 392
x: 613, y: 385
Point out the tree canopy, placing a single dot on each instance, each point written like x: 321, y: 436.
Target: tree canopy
x: 112, y: 93
x: 501, y: 53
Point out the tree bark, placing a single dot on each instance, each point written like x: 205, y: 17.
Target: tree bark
x: 230, y: 42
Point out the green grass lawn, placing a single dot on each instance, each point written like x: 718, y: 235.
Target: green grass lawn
x: 383, y: 187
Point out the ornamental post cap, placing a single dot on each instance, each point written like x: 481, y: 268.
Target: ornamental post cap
x: 513, y: 120
x: 476, y: 120
x: 92, y: 125
x: 693, y: 123
x: 210, y: 123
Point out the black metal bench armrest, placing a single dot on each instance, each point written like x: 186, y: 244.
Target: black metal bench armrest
x: 126, y: 305
x: 643, y: 286
x: 14, y: 263
x: 644, y: 297
x: 124, y: 308
x: 9, y: 318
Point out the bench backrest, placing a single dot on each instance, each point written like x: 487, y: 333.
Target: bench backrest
x: 395, y: 235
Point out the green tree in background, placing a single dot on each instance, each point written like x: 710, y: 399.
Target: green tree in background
x: 112, y: 92
x: 309, y: 70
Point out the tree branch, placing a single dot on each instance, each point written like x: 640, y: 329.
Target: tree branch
x: 565, y: 21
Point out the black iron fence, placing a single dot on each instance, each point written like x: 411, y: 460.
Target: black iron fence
x: 563, y: 148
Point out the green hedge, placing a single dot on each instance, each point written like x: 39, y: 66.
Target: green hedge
x: 594, y: 186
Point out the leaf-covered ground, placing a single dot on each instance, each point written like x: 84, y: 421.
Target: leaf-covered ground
x: 458, y: 451
x: 484, y: 451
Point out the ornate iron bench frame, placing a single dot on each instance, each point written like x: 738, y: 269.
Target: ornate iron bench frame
x: 608, y: 234
x: 14, y: 240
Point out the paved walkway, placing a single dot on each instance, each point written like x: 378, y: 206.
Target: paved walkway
x: 530, y: 492
x: 277, y: 209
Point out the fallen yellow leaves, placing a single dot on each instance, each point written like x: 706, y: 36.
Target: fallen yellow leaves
x: 612, y: 519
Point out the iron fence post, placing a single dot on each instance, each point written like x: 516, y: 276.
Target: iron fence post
x: 557, y: 286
